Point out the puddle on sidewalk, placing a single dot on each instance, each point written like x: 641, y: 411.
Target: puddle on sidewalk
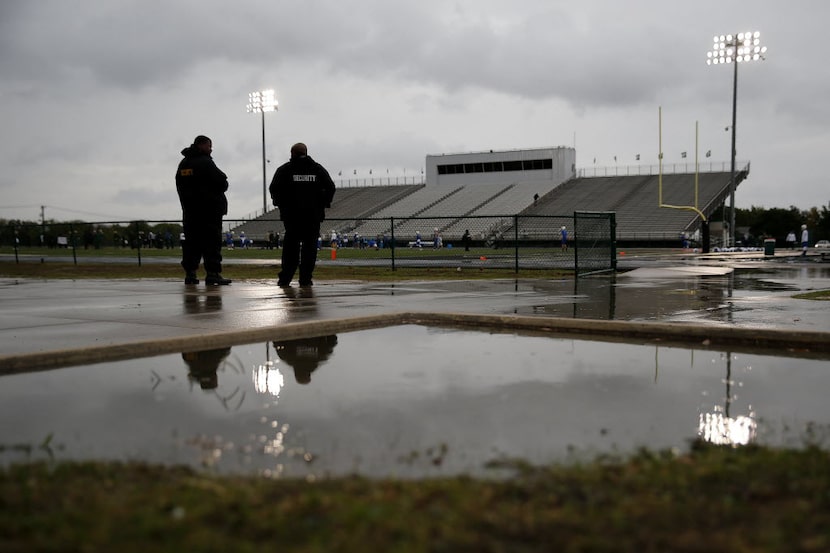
x: 408, y: 401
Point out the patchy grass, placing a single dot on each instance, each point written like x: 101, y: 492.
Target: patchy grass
x: 261, y: 253
x: 820, y: 295
x: 711, y: 499
x: 63, y: 270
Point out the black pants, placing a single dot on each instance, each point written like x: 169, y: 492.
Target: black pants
x: 299, y: 249
x: 202, y: 240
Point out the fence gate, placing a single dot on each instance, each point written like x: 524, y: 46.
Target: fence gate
x: 595, y: 241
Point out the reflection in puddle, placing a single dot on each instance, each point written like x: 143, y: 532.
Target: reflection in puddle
x: 203, y: 366
x: 408, y: 401
x: 721, y: 430
x: 606, y: 297
x: 718, y: 427
x: 268, y: 379
x: 305, y: 355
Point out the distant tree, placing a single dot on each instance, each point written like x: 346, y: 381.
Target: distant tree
x: 136, y: 233
x: 821, y: 230
x: 162, y: 230
x: 772, y: 223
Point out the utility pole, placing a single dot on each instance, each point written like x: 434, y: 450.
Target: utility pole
x: 42, y: 226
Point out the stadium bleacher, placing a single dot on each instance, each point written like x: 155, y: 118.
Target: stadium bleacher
x: 368, y: 211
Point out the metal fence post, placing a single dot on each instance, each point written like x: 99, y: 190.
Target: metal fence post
x: 72, y: 239
x: 575, y: 246
x: 14, y: 239
x: 138, y: 242
x: 613, y: 241
x: 392, y: 233
x: 516, y: 240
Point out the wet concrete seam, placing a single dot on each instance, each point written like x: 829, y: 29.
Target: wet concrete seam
x: 786, y: 343
x: 39, y: 361
x: 800, y: 343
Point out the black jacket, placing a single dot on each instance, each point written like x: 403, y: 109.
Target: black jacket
x: 302, y: 189
x: 201, y: 185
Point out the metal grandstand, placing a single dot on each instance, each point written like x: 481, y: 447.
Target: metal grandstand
x: 373, y: 210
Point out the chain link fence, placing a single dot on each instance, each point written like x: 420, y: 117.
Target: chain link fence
x: 124, y: 239
x: 583, y: 242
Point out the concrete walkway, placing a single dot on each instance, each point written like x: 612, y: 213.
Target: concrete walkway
x: 45, y: 316
x: 42, y: 316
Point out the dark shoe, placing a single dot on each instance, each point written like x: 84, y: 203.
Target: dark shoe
x: 306, y: 284
x: 191, y: 278
x: 283, y: 284
x: 215, y: 279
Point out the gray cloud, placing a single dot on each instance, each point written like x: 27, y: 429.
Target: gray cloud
x: 104, y: 94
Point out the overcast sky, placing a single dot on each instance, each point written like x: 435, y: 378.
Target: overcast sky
x: 98, y: 97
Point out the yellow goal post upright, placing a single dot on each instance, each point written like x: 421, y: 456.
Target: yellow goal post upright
x: 704, y: 223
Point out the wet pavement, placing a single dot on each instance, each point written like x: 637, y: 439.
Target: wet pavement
x: 409, y: 400
x: 40, y: 316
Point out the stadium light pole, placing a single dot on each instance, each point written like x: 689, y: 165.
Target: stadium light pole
x: 261, y: 102
x: 734, y: 49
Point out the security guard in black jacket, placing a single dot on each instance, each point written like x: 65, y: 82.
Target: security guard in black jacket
x: 201, y: 187
x: 302, y: 190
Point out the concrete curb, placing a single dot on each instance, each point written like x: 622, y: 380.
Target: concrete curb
x: 784, y: 343
x: 765, y: 341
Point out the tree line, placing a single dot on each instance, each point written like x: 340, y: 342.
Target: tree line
x: 778, y: 222
x: 89, y: 235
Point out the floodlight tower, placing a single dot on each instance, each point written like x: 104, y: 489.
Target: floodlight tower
x: 260, y: 102
x: 734, y: 49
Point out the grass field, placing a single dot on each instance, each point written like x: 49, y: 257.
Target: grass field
x: 260, y: 253
x: 63, y: 270
x: 711, y: 499
x: 262, y: 264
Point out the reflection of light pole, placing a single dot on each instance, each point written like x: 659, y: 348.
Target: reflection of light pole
x: 260, y: 102
x: 733, y: 49
x: 719, y: 427
x: 268, y: 379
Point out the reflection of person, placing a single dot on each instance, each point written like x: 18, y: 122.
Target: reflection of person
x: 305, y: 355
x: 193, y: 303
x: 301, y: 189
x: 202, y: 366
x: 201, y: 187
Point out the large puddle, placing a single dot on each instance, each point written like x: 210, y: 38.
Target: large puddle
x: 408, y: 401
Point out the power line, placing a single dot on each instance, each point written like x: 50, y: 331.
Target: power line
x: 78, y: 211
x: 105, y: 216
